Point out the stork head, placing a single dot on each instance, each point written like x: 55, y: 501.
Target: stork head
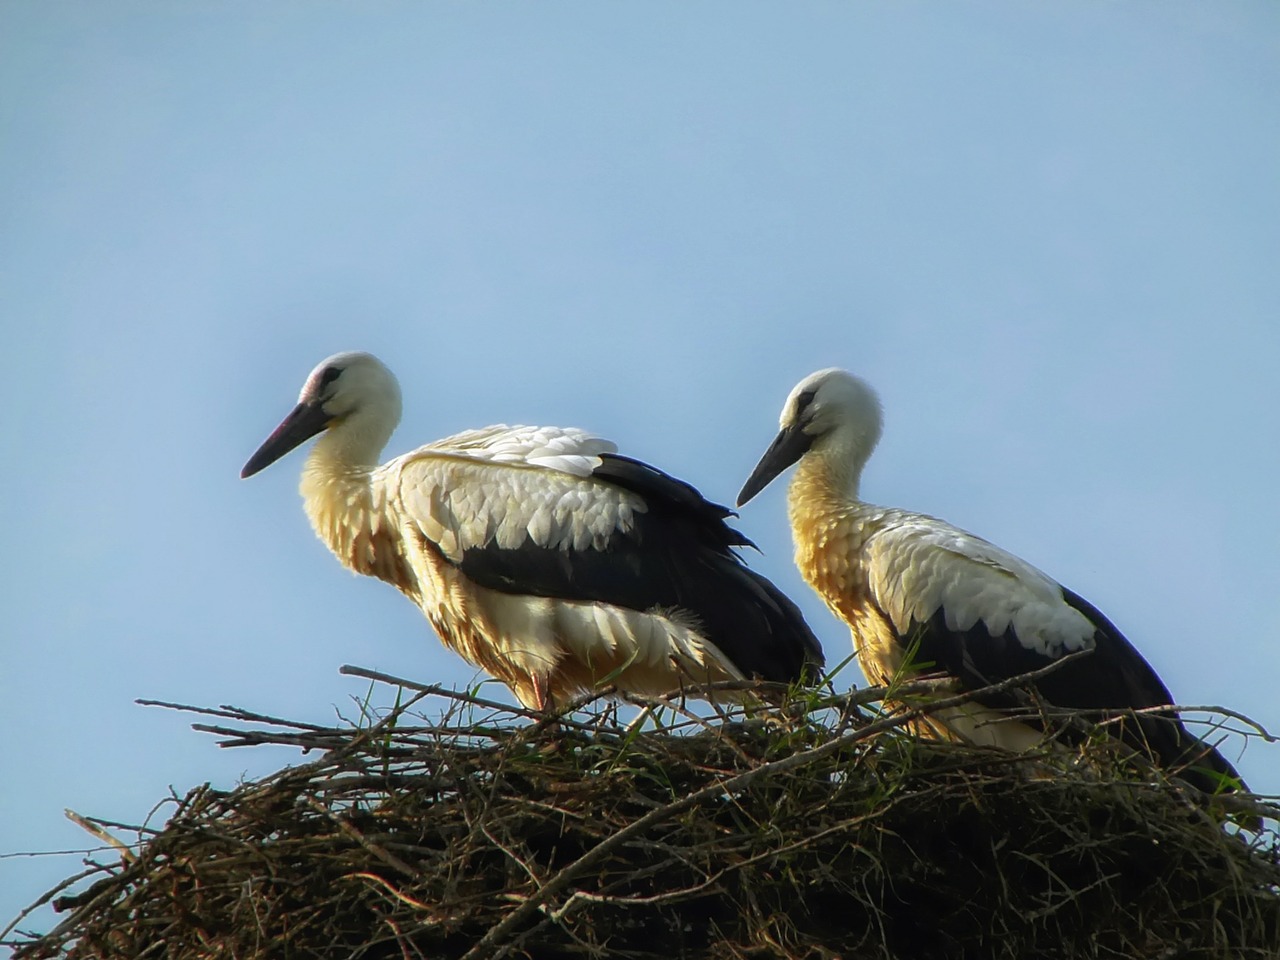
x: 830, y: 413
x: 353, y: 396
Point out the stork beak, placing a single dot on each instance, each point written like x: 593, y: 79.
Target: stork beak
x: 788, y: 446
x: 302, y: 423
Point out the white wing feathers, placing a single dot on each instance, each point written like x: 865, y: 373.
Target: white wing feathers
x: 918, y: 565
x: 500, y: 486
x: 565, y: 449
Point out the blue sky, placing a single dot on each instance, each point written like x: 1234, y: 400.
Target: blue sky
x: 1048, y: 233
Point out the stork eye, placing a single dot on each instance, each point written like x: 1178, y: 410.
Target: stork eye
x: 330, y: 374
x: 803, y: 400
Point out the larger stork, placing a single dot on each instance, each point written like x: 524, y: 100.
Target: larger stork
x: 538, y: 553
x: 912, y: 587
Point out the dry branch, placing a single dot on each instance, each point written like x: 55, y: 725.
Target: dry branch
x: 812, y: 830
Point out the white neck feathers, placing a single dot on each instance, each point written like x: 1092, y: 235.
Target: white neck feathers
x: 836, y: 460
x: 338, y: 492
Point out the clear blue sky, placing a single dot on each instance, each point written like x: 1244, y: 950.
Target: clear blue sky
x: 1049, y: 233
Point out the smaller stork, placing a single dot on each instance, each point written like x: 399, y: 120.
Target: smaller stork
x: 969, y: 609
x: 539, y: 554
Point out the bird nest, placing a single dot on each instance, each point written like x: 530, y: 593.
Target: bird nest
x: 818, y: 830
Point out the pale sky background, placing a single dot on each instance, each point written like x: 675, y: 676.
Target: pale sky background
x: 1048, y: 233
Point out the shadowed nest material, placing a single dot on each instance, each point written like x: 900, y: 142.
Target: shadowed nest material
x: 821, y: 831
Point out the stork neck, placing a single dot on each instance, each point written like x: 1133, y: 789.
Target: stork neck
x: 823, y: 487
x: 829, y: 474
x: 354, y: 442
x: 338, y: 497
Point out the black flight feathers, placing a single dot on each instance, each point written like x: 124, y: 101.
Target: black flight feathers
x: 678, y: 555
x: 663, y: 491
x: 1113, y: 678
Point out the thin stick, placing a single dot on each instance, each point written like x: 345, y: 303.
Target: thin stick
x: 491, y: 944
x: 84, y: 823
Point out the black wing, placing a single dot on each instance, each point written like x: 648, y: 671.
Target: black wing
x: 678, y: 554
x: 1110, y: 680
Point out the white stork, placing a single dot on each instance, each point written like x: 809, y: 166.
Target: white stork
x: 538, y: 553
x: 970, y: 610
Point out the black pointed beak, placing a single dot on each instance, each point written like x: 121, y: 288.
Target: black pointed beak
x: 788, y: 446
x: 302, y: 423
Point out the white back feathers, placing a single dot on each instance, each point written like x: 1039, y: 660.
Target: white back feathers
x: 538, y: 553
x: 970, y: 609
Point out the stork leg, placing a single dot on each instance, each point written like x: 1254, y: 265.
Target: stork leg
x: 541, y: 693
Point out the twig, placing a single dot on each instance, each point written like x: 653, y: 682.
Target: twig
x: 491, y: 944
x: 46, y: 897
x: 390, y: 859
x: 437, y: 690
x: 231, y: 713
x: 84, y: 823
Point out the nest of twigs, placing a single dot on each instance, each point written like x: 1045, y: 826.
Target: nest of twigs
x: 818, y: 831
